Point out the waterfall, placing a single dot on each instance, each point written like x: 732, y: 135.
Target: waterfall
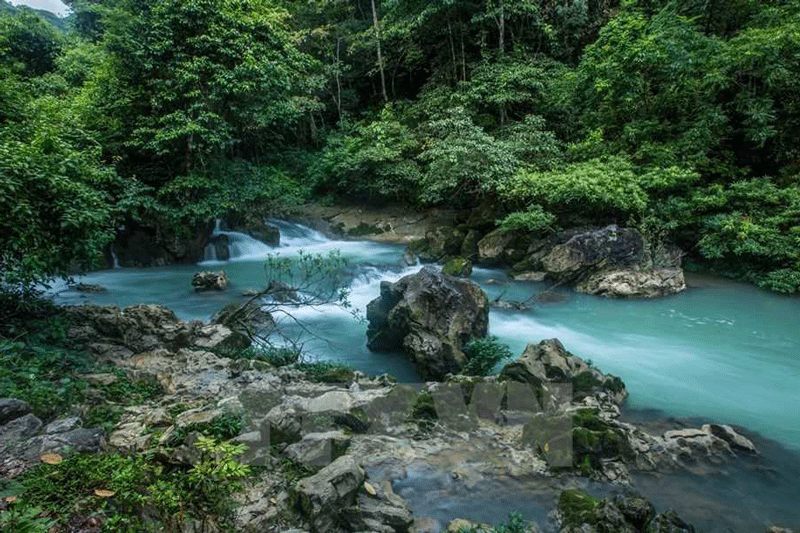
x: 114, y: 260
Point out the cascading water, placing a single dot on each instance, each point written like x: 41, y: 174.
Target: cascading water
x: 241, y: 246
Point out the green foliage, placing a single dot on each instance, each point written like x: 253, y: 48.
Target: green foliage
x: 605, y: 189
x: 373, y: 159
x: 56, y: 194
x: 29, y: 43
x: 222, y: 427
x: 139, y: 485
x: 483, y: 355
x: 463, y: 162
x: 25, y: 520
x: 327, y: 371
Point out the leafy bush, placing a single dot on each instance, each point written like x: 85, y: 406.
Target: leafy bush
x: 483, y: 355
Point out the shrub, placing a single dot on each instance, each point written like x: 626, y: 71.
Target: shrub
x: 483, y: 355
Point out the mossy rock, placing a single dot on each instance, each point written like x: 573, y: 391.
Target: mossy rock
x: 458, y: 267
x: 577, y: 508
x: 594, y: 439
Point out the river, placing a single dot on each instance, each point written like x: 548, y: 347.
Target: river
x: 721, y: 351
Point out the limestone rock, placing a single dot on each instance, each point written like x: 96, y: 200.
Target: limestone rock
x: 63, y: 425
x: 20, y: 428
x: 501, y: 247
x: 632, y: 283
x: 11, y: 409
x: 327, y: 493
x: 549, y: 361
x: 317, y: 450
x: 210, y: 281
x: 430, y: 316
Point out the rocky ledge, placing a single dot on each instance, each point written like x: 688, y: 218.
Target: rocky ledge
x: 548, y: 417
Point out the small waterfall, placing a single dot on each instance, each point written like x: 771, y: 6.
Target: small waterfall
x: 243, y: 246
x: 114, y: 259
x: 296, y: 235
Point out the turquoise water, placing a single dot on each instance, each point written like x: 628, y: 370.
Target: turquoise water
x: 722, y: 350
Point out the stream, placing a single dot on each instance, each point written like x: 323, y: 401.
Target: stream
x: 721, y: 351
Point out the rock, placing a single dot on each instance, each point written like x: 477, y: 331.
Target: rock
x: 131, y: 436
x: 586, y: 252
x: 11, y: 409
x: 469, y: 248
x: 635, y: 283
x: 444, y: 241
x: 81, y: 440
x: 86, y: 287
x: 530, y: 276
x: 457, y: 525
x: 578, y: 512
x: 63, y: 425
x: 210, y: 281
x: 668, y: 522
x: 638, y: 511
x: 508, y: 305
x: 430, y: 316
x: 316, y: 450
x: 409, y: 259
x: 387, y: 513
x: 729, y: 435
x: 221, y: 244
x: 266, y: 233
x: 421, y: 251
x: 19, y: 429
x: 216, y: 338
x: 246, y: 318
x: 693, y: 444
x: 776, y: 529
x: 501, y: 247
x: 138, y: 328
x: 458, y: 267
x: 549, y: 361
x: 327, y: 493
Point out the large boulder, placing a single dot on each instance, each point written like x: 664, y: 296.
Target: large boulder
x: 630, y: 283
x: 549, y: 361
x: 430, y: 316
x: 210, y: 281
x: 586, y: 252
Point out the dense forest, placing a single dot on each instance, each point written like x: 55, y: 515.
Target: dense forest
x: 681, y: 118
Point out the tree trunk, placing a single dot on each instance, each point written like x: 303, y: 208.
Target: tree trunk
x: 463, y: 54
x: 502, y: 28
x: 378, y: 46
x: 338, y: 79
x: 452, y: 51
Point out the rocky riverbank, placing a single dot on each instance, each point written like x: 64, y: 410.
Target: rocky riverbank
x: 609, y: 261
x: 329, y: 445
